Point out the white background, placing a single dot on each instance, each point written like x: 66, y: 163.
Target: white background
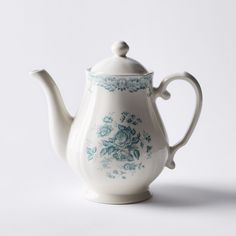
x: 39, y: 194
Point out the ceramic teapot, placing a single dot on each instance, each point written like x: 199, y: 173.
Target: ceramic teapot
x: 117, y: 141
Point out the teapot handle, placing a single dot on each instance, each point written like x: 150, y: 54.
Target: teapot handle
x: 162, y: 92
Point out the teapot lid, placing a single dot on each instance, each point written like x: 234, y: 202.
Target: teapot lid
x: 119, y: 63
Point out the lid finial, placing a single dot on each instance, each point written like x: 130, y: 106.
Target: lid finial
x: 120, y: 48
x: 119, y: 63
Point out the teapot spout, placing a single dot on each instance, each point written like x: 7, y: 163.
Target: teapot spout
x: 59, y: 118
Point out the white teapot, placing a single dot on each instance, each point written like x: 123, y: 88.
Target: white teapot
x: 117, y: 141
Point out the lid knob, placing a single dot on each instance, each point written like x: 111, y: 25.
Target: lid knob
x: 120, y: 48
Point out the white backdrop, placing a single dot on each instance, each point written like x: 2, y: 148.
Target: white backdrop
x: 39, y: 194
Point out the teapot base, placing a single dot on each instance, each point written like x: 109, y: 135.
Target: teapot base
x: 117, y: 199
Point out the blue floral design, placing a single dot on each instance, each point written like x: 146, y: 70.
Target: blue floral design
x: 91, y: 152
x: 121, y: 142
x: 107, y: 119
x: 104, y: 130
x: 133, y: 166
x: 122, y: 146
x: 131, y: 84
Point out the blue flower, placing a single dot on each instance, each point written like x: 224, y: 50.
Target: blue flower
x: 104, y: 130
x: 121, y: 142
x: 91, y: 152
x: 108, y: 119
x: 123, y: 137
x: 129, y: 166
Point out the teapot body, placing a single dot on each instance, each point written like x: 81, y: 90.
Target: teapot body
x: 117, y: 141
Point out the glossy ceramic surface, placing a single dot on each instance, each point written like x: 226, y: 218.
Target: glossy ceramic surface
x: 117, y: 141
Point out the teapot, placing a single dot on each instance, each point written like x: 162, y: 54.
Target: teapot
x: 117, y: 141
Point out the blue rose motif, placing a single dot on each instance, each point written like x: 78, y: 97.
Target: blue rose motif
x: 121, y: 142
x: 104, y: 130
x: 123, y: 137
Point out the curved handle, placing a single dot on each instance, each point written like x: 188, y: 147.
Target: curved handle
x: 162, y: 92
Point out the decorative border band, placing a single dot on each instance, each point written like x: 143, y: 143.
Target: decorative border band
x: 131, y: 83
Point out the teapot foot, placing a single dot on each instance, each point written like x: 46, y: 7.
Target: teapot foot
x: 117, y: 199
